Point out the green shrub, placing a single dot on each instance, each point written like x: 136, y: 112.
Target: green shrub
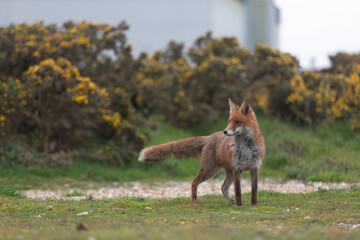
x: 326, y: 96
x: 56, y: 88
x: 13, y: 154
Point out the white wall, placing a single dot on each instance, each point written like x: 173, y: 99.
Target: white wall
x: 228, y: 18
x: 262, y: 23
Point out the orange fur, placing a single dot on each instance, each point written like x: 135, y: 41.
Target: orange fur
x: 245, y: 150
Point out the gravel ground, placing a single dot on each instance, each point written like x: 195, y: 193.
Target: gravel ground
x: 174, y: 189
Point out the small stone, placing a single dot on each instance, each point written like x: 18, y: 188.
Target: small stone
x: 308, y: 217
x: 49, y: 208
x: 355, y: 226
x: 84, y: 213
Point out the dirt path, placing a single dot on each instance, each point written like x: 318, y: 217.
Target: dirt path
x: 179, y: 189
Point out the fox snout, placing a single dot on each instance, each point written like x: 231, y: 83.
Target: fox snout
x: 230, y: 132
x: 237, y: 131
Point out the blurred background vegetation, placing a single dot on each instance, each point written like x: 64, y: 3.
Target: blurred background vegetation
x: 74, y: 96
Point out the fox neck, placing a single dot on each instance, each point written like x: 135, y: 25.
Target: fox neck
x: 246, y: 134
x: 245, y: 139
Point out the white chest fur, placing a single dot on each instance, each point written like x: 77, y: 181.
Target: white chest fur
x: 245, y: 150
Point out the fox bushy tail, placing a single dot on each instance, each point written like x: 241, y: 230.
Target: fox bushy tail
x: 183, y: 148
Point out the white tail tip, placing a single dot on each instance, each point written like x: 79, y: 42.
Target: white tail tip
x: 141, y: 156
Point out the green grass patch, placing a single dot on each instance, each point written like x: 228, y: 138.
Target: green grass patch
x: 137, y: 202
x: 8, y: 191
x: 328, y: 152
x: 319, y: 215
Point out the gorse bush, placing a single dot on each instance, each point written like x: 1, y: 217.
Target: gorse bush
x: 161, y: 87
x: 218, y: 71
x: 55, y: 98
x: 193, y: 87
x: 190, y: 88
x: 56, y: 90
x: 327, y: 96
x: 82, y: 44
x: 78, y: 85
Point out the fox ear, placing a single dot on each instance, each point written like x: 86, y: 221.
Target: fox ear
x: 233, y: 106
x: 246, y: 108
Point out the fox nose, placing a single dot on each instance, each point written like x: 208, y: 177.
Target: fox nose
x: 225, y: 132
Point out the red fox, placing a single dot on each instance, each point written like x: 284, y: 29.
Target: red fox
x: 240, y: 147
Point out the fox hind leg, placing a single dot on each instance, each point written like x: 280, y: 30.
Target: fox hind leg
x: 202, y: 175
x: 229, y: 179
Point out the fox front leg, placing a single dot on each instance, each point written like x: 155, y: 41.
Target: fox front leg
x: 237, y: 186
x: 254, y: 185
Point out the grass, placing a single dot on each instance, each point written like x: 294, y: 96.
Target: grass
x: 9, y: 191
x: 326, y: 214
x: 328, y: 152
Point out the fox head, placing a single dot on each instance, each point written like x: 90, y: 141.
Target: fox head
x: 240, y: 118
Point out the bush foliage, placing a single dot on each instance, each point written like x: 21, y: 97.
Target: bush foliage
x: 327, y: 95
x: 57, y: 93
x: 78, y: 85
x: 193, y: 87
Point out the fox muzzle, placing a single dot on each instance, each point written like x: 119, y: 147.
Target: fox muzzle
x: 230, y: 132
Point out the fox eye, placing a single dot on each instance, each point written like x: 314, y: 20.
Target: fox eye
x: 237, y: 122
